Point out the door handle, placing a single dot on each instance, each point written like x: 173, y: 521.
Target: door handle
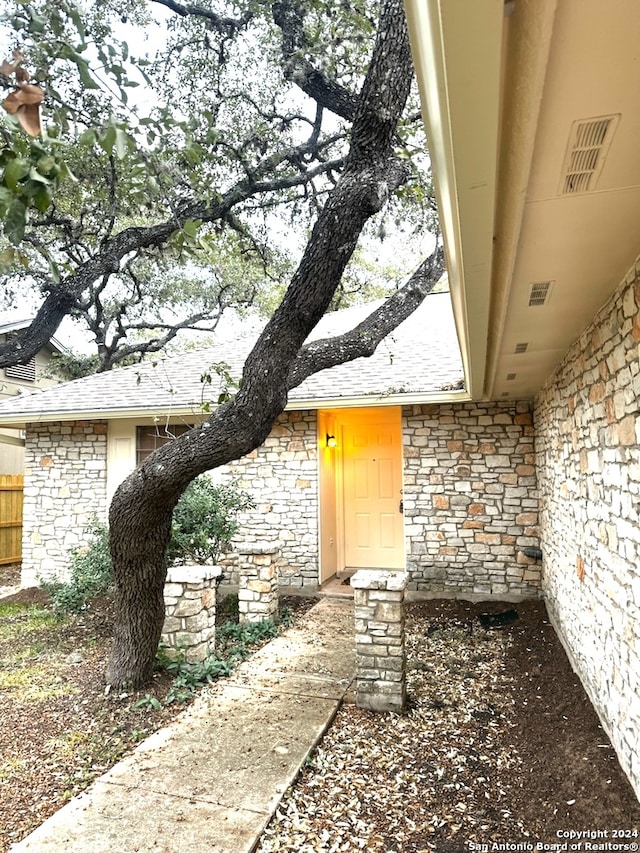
x: 401, y: 507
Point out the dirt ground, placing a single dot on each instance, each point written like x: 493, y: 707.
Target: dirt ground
x: 568, y: 775
x: 500, y: 750
x: 500, y: 744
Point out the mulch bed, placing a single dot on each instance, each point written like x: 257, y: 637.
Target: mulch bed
x: 500, y: 746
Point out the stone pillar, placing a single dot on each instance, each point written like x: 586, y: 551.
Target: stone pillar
x: 190, y: 611
x: 258, y: 593
x: 381, y: 683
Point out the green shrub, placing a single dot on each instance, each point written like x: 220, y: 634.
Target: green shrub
x: 204, y: 521
x: 91, y: 573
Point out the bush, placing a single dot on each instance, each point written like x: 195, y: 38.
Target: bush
x: 204, y: 521
x: 91, y: 573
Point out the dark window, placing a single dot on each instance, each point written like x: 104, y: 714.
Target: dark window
x: 149, y: 438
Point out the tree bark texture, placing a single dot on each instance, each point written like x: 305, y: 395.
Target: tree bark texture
x: 140, y: 514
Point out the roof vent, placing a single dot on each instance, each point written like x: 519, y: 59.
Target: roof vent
x: 589, y: 142
x: 520, y: 348
x: 539, y: 293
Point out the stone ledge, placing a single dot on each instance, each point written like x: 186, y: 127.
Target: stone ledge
x: 192, y: 574
x: 376, y: 579
x: 258, y: 548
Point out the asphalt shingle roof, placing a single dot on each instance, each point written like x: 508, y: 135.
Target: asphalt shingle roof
x: 421, y: 357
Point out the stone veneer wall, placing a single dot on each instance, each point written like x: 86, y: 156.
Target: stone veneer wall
x: 470, y: 498
x: 588, y: 459
x: 64, y: 489
x: 282, y: 477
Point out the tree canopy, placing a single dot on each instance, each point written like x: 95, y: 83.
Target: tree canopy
x: 161, y: 162
x: 248, y: 110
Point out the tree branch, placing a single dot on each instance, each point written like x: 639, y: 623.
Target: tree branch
x: 63, y: 297
x: 363, y: 340
x: 289, y: 16
x: 227, y: 26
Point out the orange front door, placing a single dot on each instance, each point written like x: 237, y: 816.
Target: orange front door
x: 373, y: 527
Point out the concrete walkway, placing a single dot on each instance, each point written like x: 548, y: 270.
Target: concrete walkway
x: 210, y: 782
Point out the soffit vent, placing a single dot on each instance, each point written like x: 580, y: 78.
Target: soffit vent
x: 520, y: 348
x: 589, y: 141
x: 539, y: 293
x: 25, y: 372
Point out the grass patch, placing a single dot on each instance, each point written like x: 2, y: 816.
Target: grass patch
x: 16, y: 620
x: 34, y: 682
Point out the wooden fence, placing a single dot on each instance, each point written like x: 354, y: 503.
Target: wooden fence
x: 11, y: 488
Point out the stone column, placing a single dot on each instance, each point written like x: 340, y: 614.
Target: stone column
x: 380, y: 657
x: 190, y: 611
x: 258, y: 592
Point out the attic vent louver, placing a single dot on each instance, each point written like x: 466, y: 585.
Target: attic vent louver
x: 539, y: 293
x: 520, y: 348
x: 26, y: 372
x: 589, y: 141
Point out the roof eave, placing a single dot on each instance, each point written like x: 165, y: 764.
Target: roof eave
x: 20, y: 420
x: 457, y: 50
x: 370, y: 400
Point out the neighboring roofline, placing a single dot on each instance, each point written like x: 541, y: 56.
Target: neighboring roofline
x: 16, y: 325
x: 18, y: 421
x: 12, y: 440
x: 457, y: 49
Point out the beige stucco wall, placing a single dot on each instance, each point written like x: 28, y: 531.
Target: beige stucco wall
x: 588, y: 460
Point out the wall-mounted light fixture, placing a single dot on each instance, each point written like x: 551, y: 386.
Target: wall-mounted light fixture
x: 331, y: 440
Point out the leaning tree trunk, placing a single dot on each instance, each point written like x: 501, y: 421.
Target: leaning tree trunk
x: 140, y: 514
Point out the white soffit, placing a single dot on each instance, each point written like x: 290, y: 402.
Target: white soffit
x: 457, y: 50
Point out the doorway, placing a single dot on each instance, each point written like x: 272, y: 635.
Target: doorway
x: 361, y: 521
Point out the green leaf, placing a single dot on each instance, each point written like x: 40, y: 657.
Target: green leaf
x: 42, y: 198
x: 6, y: 197
x: 38, y: 23
x: 108, y: 140
x: 55, y: 271
x: 74, y: 13
x: 14, y: 171
x: 34, y: 175
x: 88, y: 136
x: 83, y: 70
x: 123, y: 143
x: 15, y: 221
x: 45, y: 164
x: 191, y: 226
x: 65, y: 172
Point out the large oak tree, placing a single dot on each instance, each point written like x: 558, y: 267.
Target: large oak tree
x: 224, y: 175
